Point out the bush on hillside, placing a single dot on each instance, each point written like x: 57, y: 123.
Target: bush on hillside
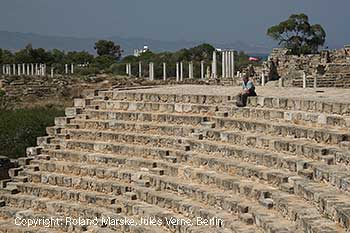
x: 20, y: 128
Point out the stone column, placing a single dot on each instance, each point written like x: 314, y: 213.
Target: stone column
x: 23, y: 69
x: 181, y: 71
x: 177, y: 71
x: 202, y: 70
x: 315, y: 79
x: 280, y: 82
x: 192, y: 70
x: 66, y: 68
x: 228, y: 63
x: 72, y: 68
x: 3, y: 69
x: 35, y: 69
x: 18, y: 69
x: 44, y: 69
x: 127, y: 68
x: 140, y: 69
x: 304, y: 80
x: 13, y: 69
x: 223, y: 64
x: 164, y: 71
x: 262, y: 79
x: 32, y: 69
x: 230, y: 73
x: 51, y: 72
x: 214, y: 65
x: 233, y: 63
x: 151, y: 71
x: 28, y: 69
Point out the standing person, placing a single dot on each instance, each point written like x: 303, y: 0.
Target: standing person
x: 248, y: 89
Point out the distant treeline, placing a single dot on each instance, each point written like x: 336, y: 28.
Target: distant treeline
x: 109, y: 59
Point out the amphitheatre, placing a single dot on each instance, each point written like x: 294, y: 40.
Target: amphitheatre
x: 183, y: 158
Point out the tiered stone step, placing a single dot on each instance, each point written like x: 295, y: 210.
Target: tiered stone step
x: 175, y: 184
x: 331, y: 136
x: 318, y: 170
x: 119, y: 185
x: 300, y: 104
x: 264, y: 168
x: 226, y: 182
x: 268, y: 175
x: 297, y: 117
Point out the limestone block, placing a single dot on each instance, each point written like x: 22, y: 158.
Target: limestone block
x: 260, y: 101
x: 62, y: 121
x: 322, y: 119
x: 252, y: 101
x: 81, y: 103
x: 178, y: 107
x: 187, y: 108
x: 43, y: 140
x: 283, y: 103
x: 72, y: 112
x: 32, y: 151
x: 288, y: 116
x: 132, y: 107
x: 327, y: 107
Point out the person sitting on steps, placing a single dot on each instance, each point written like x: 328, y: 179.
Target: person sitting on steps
x: 248, y: 89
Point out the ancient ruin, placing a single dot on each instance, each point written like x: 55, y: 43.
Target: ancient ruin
x: 185, y: 159
x: 329, y: 68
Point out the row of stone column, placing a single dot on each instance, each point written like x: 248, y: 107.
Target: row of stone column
x: 31, y: 69
x: 228, y: 64
x: 67, y: 71
x: 179, y: 70
x: 24, y: 69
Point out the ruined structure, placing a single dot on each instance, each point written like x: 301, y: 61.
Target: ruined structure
x: 331, y: 68
x: 187, y: 153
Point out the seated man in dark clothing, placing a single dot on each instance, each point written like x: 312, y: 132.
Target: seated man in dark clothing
x: 248, y: 90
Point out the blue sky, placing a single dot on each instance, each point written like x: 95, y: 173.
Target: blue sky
x: 221, y: 21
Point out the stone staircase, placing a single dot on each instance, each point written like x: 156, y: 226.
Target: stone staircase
x: 277, y: 165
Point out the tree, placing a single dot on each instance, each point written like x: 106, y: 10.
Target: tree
x: 202, y: 52
x: 298, y: 35
x: 57, y: 56
x: 81, y: 57
x: 108, y: 48
x: 7, y: 57
x: 103, y: 62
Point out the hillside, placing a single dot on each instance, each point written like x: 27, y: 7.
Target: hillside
x: 16, y: 40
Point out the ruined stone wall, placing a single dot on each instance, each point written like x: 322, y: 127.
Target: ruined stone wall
x: 328, y: 65
x: 61, y: 90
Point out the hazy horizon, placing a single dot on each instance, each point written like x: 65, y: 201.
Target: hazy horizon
x: 221, y: 21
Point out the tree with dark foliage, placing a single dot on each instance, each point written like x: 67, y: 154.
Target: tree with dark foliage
x: 298, y: 35
x: 108, y: 48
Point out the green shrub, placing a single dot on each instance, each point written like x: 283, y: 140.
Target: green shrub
x: 20, y: 128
